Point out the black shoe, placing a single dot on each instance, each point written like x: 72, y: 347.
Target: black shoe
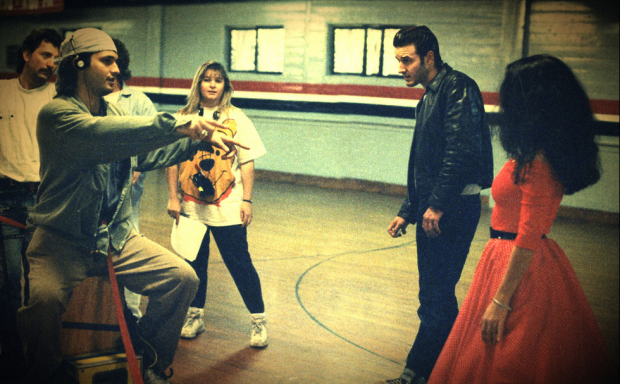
x: 397, y: 381
x: 415, y: 380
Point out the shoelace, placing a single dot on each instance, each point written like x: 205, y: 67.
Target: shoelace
x: 190, y: 322
x: 258, y: 327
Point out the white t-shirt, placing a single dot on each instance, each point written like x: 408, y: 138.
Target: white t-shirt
x: 212, y: 188
x: 19, y: 149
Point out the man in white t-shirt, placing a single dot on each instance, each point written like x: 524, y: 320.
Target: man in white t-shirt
x: 21, y: 98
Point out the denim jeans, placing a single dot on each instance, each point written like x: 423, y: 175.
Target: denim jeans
x: 14, y: 242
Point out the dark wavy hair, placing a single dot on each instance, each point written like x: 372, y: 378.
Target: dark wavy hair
x: 544, y: 108
x: 122, y: 61
x: 66, y: 83
x: 33, y: 41
x: 422, y: 38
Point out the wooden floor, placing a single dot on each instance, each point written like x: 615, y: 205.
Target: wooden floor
x: 340, y: 294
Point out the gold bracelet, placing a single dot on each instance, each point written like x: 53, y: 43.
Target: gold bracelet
x: 499, y: 303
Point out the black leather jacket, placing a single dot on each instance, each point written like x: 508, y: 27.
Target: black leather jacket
x: 451, y: 146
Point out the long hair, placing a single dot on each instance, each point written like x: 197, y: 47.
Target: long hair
x: 33, y: 41
x: 194, y: 98
x: 544, y: 108
x: 66, y: 83
x: 122, y: 61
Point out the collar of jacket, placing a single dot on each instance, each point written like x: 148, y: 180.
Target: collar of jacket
x: 125, y: 91
x: 443, y: 71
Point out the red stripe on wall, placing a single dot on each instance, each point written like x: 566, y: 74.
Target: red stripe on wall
x: 600, y: 106
x: 330, y: 89
x: 605, y: 107
x: 490, y: 98
x: 176, y: 83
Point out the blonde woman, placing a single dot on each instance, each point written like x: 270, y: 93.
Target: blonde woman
x: 218, y: 192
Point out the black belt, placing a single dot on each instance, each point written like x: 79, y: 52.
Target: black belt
x: 10, y: 184
x: 495, y: 234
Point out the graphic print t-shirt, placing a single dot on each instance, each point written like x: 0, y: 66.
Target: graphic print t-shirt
x: 211, y: 188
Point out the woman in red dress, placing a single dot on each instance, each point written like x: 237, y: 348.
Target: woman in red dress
x: 525, y: 318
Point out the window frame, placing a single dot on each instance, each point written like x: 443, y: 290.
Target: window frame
x: 229, y: 33
x: 366, y: 28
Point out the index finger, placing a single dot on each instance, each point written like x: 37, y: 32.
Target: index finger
x: 217, y: 125
x: 436, y: 228
x: 230, y: 153
x: 236, y: 143
x: 500, y: 331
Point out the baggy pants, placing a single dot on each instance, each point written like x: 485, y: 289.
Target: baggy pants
x: 58, y: 265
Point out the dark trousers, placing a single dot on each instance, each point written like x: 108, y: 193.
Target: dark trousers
x: 15, y: 201
x: 232, y: 241
x: 440, y: 263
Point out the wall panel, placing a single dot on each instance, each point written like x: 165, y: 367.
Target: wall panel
x: 584, y: 37
x: 479, y: 37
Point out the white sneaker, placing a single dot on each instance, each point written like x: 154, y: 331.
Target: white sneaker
x: 258, y: 336
x: 194, y: 323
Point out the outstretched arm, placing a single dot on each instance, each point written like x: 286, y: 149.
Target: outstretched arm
x: 200, y: 128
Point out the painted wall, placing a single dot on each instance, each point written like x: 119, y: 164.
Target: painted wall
x: 168, y: 43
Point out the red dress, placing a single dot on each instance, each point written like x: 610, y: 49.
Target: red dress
x: 551, y: 335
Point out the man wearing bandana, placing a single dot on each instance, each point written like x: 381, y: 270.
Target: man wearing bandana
x: 89, y: 150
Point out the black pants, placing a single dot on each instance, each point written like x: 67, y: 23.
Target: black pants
x: 440, y: 263
x: 233, y: 245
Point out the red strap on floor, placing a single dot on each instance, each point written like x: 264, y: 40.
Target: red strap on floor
x: 12, y: 222
x: 132, y: 361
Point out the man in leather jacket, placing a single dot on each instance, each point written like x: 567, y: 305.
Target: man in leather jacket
x: 451, y: 161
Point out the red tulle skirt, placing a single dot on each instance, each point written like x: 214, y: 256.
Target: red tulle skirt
x: 551, y: 335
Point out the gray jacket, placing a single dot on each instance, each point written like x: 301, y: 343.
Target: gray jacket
x: 76, y: 150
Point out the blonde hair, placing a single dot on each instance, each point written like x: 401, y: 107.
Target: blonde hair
x: 194, y: 98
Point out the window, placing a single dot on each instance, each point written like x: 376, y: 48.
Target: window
x: 366, y: 51
x: 258, y: 49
